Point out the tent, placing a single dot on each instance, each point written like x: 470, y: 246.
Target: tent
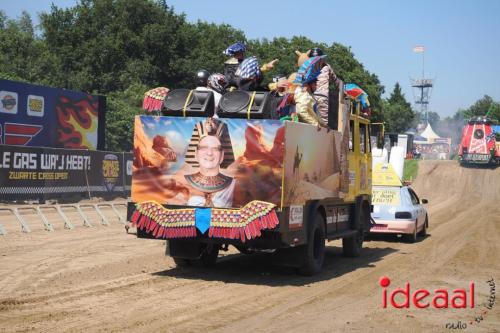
x: 432, y: 146
x: 429, y: 133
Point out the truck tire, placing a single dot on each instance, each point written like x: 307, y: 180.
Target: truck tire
x: 352, y: 246
x: 209, y: 255
x: 181, y: 262
x: 313, y: 253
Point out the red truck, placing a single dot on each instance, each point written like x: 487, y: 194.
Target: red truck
x: 478, y: 143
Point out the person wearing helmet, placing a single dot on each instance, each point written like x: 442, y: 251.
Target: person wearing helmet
x: 315, y: 52
x: 217, y: 83
x: 201, y: 79
x: 307, y: 77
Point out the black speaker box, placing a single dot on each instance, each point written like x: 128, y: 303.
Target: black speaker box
x: 200, y: 103
x: 235, y: 104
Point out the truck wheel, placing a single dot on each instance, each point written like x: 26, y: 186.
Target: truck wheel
x: 352, y: 246
x: 209, y: 255
x: 313, y: 253
x: 181, y: 262
x: 411, y: 238
x: 423, y: 232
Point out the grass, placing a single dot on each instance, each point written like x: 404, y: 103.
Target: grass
x: 410, y: 170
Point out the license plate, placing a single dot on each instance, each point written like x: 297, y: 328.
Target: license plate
x: 477, y: 157
x: 379, y: 226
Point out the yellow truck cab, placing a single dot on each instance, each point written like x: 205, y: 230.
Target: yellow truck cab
x: 242, y: 179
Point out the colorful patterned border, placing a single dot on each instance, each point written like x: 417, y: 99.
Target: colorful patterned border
x: 244, y: 224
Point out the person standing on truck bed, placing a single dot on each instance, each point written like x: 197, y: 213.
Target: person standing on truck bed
x: 237, y: 53
x: 321, y: 94
x: 215, y: 83
x: 307, y: 77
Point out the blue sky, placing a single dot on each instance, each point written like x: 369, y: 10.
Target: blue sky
x: 462, y: 38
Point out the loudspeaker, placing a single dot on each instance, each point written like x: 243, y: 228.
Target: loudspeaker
x: 200, y: 103
x: 235, y: 104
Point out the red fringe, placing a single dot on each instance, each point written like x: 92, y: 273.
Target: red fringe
x: 251, y: 230
x: 151, y: 104
x: 135, y: 217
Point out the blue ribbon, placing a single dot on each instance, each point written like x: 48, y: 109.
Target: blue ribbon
x: 202, y: 218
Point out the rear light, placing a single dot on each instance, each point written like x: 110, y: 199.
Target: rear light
x: 403, y: 215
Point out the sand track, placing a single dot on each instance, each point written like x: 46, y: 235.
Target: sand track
x: 102, y: 279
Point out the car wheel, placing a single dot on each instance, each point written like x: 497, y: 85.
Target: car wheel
x: 412, y: 238
x: 423, y: 232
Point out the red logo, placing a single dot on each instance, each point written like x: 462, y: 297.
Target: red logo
x: 20, y: 134
x: 422, y: 298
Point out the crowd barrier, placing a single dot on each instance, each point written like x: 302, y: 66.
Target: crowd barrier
x: 62, y: 211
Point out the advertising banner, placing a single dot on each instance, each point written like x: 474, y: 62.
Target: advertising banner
x: 207, y: 162
x: 45, y: 173
x: 37, y: 116
x: 312, y: 163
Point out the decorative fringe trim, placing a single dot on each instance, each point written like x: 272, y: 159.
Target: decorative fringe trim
x: 154, y: 98
x: 153, y: 218
x: 243, y: 224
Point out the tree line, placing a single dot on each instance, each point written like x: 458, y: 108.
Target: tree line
x: 122, y: 48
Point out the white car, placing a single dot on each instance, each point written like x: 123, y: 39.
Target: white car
x: 398, y: 210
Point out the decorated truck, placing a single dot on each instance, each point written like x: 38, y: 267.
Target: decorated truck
x: 204, y: 183
x: 478, y: 143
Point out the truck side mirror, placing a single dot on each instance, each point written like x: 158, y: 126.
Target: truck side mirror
x: 380, y: 140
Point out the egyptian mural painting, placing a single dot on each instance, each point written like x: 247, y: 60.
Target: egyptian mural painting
x: 207, y: 162
x: 312, y: 164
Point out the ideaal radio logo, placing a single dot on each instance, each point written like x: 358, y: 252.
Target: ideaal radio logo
x: 441, y: 298
x: 110, y: 171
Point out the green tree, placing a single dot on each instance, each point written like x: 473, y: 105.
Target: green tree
x: 482, y: 107
x: 106, y: 45
x: 397, y: 112
x: 23, y: 56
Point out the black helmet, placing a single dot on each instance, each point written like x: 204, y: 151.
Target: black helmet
x: 202, y: 78
x: 315, y: 52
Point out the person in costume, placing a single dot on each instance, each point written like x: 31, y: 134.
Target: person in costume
x: 217, y: 83
x: 325, y: 77
x: 234, y: 64
x: 307, y: 77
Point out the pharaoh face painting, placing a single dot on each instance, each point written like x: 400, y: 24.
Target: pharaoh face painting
x: 207, y: 162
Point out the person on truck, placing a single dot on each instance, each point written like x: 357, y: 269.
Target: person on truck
x: 325, y: 77
x: 215, y: 83
x: 307, y: 77
x: 237, y: 53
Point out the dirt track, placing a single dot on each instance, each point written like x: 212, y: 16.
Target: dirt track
x: 102, y: 279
